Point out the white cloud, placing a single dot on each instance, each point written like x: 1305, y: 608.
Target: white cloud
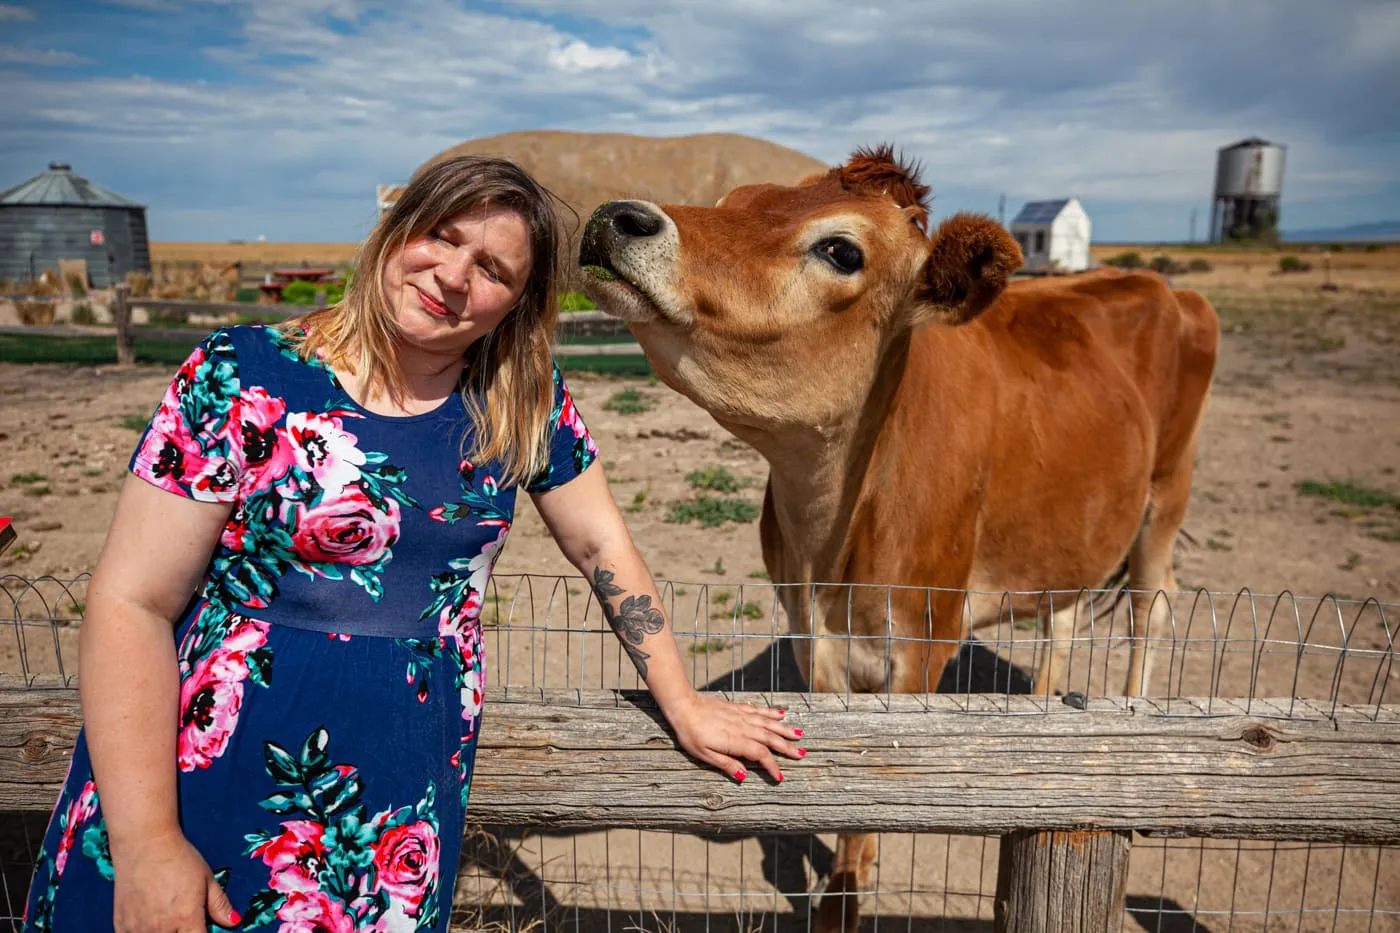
x: 9, y: 13
x: 9, y: 55
x: 580, y: 56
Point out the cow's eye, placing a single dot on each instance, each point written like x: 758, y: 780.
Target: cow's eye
x: 845, y: 257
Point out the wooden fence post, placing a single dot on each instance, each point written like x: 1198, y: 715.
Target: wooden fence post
x: 121, y: 315
x: 1049, y: 881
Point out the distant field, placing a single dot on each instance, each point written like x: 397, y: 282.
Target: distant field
x: 337, y: 254
x: 1358, y: 256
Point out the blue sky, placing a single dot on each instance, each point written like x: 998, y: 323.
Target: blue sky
x: 240, y: 118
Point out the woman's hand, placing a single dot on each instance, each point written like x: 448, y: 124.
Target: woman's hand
x: 164, y: 884
x: 720, y: 733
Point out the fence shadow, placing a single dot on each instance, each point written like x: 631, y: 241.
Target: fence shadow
x: 601, y: 920
x: 1162, y: 915
x: 786, y: 858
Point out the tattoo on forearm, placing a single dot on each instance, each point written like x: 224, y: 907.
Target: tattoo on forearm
x: 633, y: 620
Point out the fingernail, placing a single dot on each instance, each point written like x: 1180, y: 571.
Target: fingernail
x: 237, y: 917
x: 740, y: 774
x: 782, y: 712
x: 780, y: 777
x: 802, y: 753
x: 797, y: 732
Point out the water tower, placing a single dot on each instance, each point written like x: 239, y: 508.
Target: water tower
x: 1248, y: 182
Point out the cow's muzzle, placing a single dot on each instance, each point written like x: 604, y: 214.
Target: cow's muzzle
x: 614, y: 226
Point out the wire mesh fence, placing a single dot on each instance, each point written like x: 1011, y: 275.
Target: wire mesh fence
x: 1214, y: 654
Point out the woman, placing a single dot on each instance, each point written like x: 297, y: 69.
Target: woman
x: 317, y: 508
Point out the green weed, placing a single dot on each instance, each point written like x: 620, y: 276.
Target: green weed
x: 629, y: 402
x: 712, y: 511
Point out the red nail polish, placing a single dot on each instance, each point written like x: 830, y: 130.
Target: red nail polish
x: 780, y: 777
x: 237, y: 918
x: 802, y: 753
x: 740, y: 774
x: 797, y: 732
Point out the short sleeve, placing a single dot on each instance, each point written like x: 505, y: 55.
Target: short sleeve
x: 193, y: 444
x: 571, y: 447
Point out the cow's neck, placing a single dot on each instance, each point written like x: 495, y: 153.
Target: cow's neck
x: 817, y: 474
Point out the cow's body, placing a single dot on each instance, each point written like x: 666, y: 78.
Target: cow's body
x: 925, y: 426
x: 1015, y: 454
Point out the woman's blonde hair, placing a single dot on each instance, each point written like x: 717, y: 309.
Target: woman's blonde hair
x: 507, y: 382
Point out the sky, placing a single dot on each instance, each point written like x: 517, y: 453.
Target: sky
x: 233, y: 119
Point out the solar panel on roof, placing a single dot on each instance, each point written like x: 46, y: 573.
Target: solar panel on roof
x: 1040, y: 212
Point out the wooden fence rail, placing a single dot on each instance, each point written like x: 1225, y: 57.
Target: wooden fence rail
x: 1062, y: 787
x: 602, y: 759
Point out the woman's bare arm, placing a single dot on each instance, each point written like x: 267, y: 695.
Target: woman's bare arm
x: 155, y: 555
x: 591, y: 532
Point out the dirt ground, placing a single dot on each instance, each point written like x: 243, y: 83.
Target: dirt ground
x: 1296, y: 492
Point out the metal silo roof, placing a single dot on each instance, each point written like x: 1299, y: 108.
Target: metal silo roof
x: 1040, y: 212
x: 59, y: 186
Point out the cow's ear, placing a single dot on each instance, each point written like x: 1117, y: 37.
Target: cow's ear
x: 968, y: 265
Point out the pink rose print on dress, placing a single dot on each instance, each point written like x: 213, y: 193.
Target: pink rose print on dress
x: 296, y: 857
x: 457, y: 618
x: 210, y: 698
x: 406, y: 865
x: 334, y: 867
x: 267, y: 451
x: 314, y: 912
x: 79, y: 812
x: 346, y: 529
x: 212, y: 685
x: 473, y: 681
x: 325, y: 451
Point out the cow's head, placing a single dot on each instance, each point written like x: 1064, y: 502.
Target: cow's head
x: 775, y: 306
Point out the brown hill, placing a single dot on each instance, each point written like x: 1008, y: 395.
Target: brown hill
x: 586, y: 169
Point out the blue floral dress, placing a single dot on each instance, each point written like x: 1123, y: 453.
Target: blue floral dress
x: 331, y: 668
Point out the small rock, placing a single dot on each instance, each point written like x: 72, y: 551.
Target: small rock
x: 46, y: 526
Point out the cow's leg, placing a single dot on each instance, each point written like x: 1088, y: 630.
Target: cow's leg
x: 1150, y: 576
x: 1059, y: 633
x: 840, y: 907
x: 1150, y: 561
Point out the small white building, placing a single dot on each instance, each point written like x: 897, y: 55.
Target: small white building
x: 1054, y: 235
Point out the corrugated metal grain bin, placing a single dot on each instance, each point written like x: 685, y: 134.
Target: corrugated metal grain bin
x: 60, y: 215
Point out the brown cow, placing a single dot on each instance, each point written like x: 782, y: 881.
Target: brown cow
x: 925, y: 424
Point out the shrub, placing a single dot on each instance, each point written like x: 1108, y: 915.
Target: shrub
x: 714, y: 478
x: 1128, y: 260
x: 1163, y: 263
x: 301, y: 293
x: 575, y: 301
x: 1198, y: 265
x: 712, y: 511
x: 1291, y: 263
x: 629, y: 402
x: 139, y: 283
x: 77, y: 286
x: 35, y: 313
x: 82, y: 314
x: 246, y: 295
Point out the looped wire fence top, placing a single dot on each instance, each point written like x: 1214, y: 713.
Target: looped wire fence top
x: 1303, y: 658
x: 547, y: 633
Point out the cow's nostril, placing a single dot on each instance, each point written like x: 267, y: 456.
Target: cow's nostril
x: 636, y: 222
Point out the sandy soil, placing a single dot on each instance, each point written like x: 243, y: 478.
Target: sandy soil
x: 1286, y: 409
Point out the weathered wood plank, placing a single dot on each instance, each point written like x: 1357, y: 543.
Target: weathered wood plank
x: 1052, y: 881
x: 986, y: 765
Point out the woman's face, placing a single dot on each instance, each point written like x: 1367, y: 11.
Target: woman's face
x: 451, y: 285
